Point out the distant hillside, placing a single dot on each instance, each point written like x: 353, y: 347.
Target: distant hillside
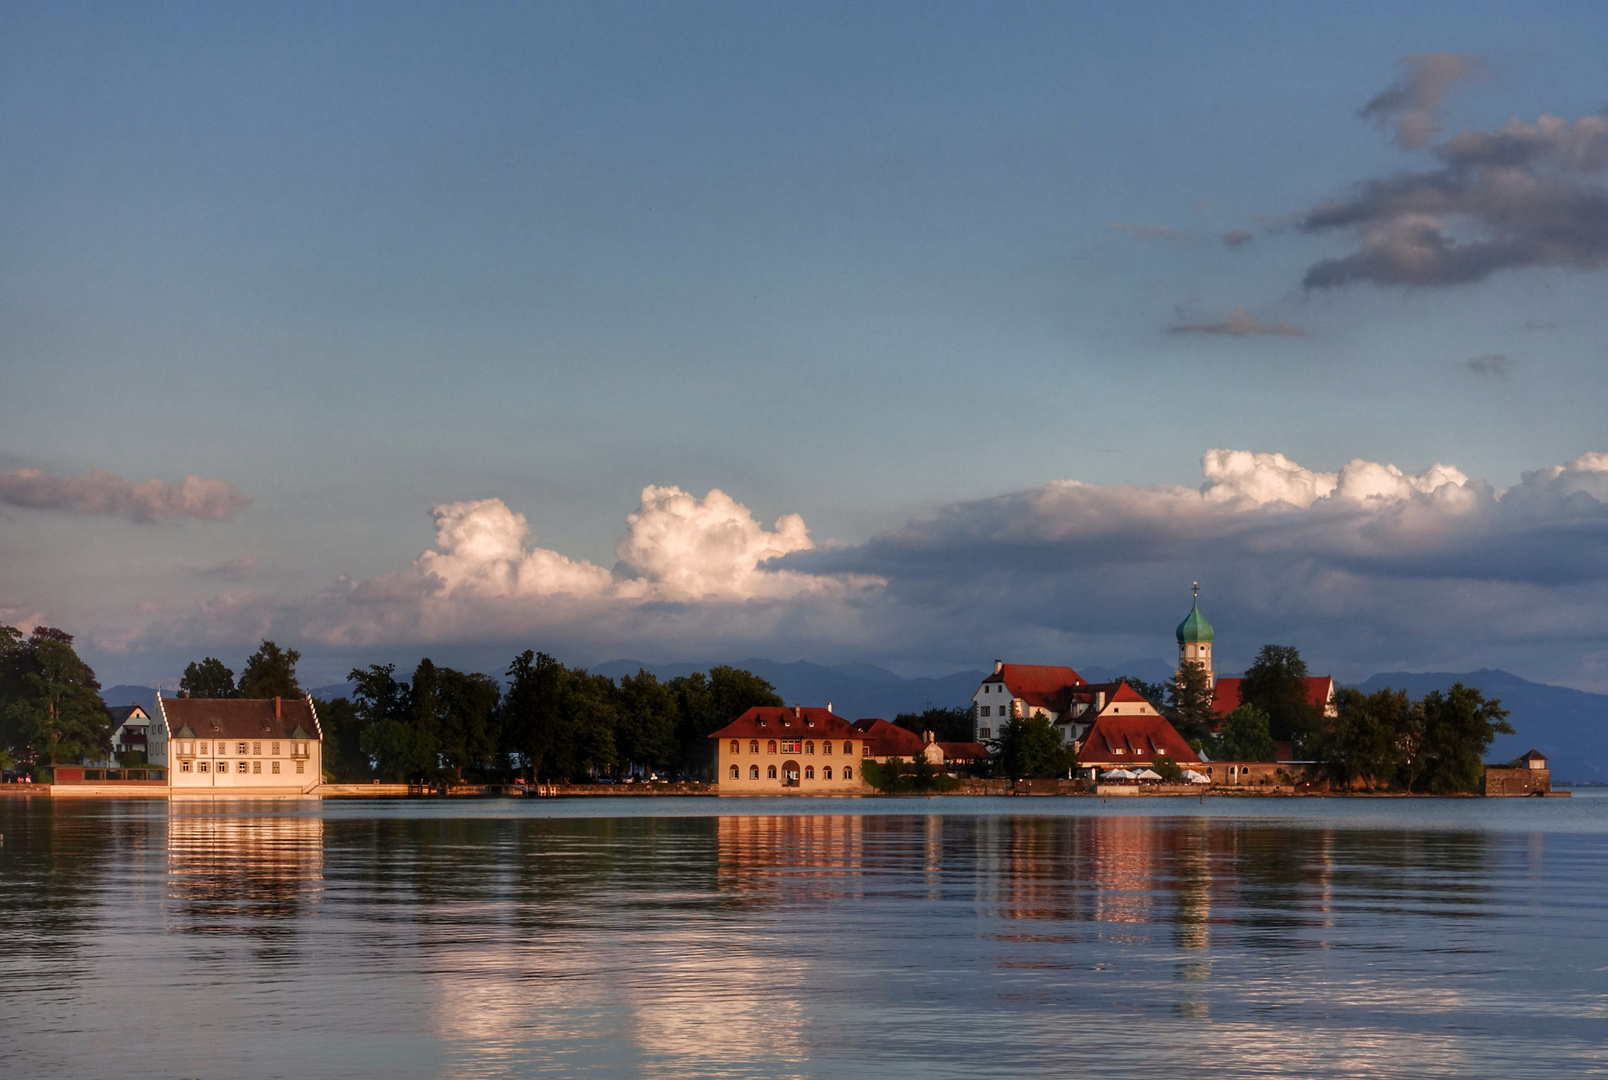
x: 143, y: 696
x: 1569, y: 726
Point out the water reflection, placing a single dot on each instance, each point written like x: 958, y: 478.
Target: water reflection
x: 781, y: 945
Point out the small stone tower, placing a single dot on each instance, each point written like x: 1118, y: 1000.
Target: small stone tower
x: 1195, y: 640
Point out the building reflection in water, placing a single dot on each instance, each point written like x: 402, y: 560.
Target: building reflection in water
x: 237, y: 872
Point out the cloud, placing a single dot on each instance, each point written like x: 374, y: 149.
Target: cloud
x: 1236, y: 237
x: 1368, y: 566
x: 1149, y: 232
x: 1524, y: 195
x: 1490, y: 365
x: 1240, y: 323
x: 107, y: 493
x: 1413, y: 101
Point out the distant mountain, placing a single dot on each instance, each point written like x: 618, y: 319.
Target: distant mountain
x: 1569, y: 726
x: 332, y: 691
x: 854, y: 690
x: 143, y: 696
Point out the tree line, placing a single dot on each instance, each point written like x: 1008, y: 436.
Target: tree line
x: 543, y: 720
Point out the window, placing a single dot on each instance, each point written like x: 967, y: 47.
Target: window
x: 753, y: 772
x: 770, y: 748
x: 203, y: 748
x: 789, y: 746
x: 809, y: 748
x: 826, y: 773
x: 770, y: 773
x: 809, y: 772
x: 240, y: 748
x: 242, y: 766
x: 203, y: 766
x: 184, y: 766
x: 736, y: 746
x: 276, y: 767
x: 848, y: 773
x: 985, y: 710
x: 734, y: 772
x: 753, y: 746
x: 256, y: 766
x: 826, y: 747
x: 256, y: 749
x: 276, y: 749
x: 985, y: 733
x: 301, y: 766
x: 865, y: 749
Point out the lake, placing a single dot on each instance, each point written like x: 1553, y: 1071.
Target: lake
x: 692, y: 937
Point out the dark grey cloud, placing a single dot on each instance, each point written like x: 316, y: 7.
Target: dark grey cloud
x: 1236, y: 237
x: 1240, y: 323
x: 1413, y: 102
x: 1490, y: 365
x: 102, y: 492
x: 1524, y: 195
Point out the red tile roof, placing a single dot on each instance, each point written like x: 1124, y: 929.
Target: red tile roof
x: 963, y: 751
x: 791, y: 721
x: 240, y: 718
x: 1039, y: 685
x: 889, y: 740
x: 1226, y: 694
x: 1141, y: 739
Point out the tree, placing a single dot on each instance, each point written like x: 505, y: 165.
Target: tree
x: 466, y: 727
x: 1368, y: 736
x: 1458, y: 728
x: 1191, y: 711
x: 344, y: 758
x: 648, y: 720
x: 270, y: 672
x: 1169, y: 770
x: 946, y: 725
x: 209, y: 679
x: 1245, y: 736
x: 1030, y: 746
x: 1276, y: 683
x: 530, y: 709
x: 57, y: 713
x: 707, y: 703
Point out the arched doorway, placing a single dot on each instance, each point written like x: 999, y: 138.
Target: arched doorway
x: 790, y: 773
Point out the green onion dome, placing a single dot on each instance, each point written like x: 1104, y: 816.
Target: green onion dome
x: 1194, y: 627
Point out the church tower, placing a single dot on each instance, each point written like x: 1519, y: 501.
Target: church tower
x: 1195, y: 640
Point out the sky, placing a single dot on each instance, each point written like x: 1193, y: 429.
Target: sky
x: 908, y: 334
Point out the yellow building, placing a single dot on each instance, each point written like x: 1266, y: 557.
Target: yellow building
x: 789, y: 751
x: 241, y: 746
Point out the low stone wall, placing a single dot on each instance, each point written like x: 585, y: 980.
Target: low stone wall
x: 1512, y: 782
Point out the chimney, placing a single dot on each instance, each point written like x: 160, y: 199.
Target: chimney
x: 797, y: 712
x: 926, y: 738
x: 278, y: 712
x: 1099, y: 702
x: 828, y: 706
x: 998, y: 666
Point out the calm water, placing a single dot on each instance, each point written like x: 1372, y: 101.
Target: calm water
x: 682, y: 937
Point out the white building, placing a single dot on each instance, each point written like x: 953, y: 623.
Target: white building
x: 1058, y: 694
x: 243, y: 746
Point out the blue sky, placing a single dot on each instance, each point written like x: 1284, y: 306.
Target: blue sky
x: 872, y: 265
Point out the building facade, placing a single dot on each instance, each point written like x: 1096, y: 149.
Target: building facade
x: 242, y: 746
x: 789, y: 750
x: 1020, y: 690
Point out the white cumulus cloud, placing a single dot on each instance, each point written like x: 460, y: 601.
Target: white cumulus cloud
x: 1245, y: 477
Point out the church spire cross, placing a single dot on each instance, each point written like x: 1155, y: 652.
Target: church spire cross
x: 1197, y: 590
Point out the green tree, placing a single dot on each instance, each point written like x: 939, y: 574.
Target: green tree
x: 946, y: 725
x: 648, y: 720
x: 467, y: 714
x: 343, y: 725
x: 707, y: 703
x: 1276, y: 683
x: 1458, y: 727
x: 1365, y: 741
x: 396, y: 750
x: 1191, y: 705
x: 270, y: 672
x: 588, y: 710
x: 530, y: 716
x: 1030, y: 746
x: 208, y: 679
x: 1169, y: 770
x: 58, y: 714
x: 1245, y: 736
